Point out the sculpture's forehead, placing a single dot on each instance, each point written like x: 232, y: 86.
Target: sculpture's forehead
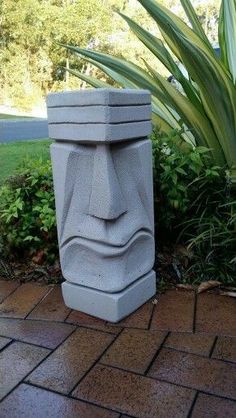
x: 102, y: 116
x: 125, y: 148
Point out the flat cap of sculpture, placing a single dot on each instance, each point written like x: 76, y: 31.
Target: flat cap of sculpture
x: 102, y: 115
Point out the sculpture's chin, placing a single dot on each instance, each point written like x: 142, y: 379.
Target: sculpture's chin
x: 105, y: 267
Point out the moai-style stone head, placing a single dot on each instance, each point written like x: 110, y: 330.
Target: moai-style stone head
x: 102, y: 168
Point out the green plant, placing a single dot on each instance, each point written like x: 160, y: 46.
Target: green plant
x: 210, y: 232
x: 207, y: 104
x: 212, y: 239
x: 177, y: 166
x: 195, y: 210
x: 27, y: 211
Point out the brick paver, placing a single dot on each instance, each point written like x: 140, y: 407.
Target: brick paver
x: 174, y: 311
x: 175, y: 359
x: 80, y: 318
x: 225, y: 349
x: 125, y: 416
x: 6, y: 288
x: 192, y: 343
x: 134, y: 349
x: 212, y: 376
x: 31, y: 402
x: 46, y: 334
x: 52, y: 307
x: 3, y: 342
x: 16, y: 361
x: 213, y: 407
x: 135, y: 395
x: 138, y: 319
x: 216, y: 314
x: 20, y: 302
x: 67, y: 365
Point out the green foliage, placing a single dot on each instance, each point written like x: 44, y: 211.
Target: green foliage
x: 177, y: 169
x: 195, y: 206
x: 211, y: 235
x: 27, y: 211
x: 195, y: 153
x: 206, y: 102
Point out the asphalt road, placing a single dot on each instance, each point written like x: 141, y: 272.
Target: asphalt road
x: 23, y: 129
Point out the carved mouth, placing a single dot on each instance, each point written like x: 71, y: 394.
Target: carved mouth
x: 107, y: 267
x: 103, y: 247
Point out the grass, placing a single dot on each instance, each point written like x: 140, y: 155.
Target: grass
x: 11, y: 155
x: 6, y: 116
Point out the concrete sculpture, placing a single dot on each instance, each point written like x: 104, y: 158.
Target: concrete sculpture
x: 102, y: 170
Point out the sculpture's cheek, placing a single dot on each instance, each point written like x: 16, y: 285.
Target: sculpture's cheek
x: 107, y: 268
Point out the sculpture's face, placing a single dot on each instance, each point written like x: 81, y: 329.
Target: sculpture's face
x: 104, y: 212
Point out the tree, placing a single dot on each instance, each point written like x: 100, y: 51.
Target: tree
x: 31, y: 62
x: 30, y: 58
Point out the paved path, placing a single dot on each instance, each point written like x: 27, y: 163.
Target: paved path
x: 173, y: 359
x: 13, y: 130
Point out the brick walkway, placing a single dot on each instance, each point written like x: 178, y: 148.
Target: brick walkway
x: 174, y: 359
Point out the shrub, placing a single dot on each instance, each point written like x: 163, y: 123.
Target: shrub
x: 27, y: 211
x: 194, y: 206
x: 195, y: 210
x: 177, y: 166
x: 210, y: 233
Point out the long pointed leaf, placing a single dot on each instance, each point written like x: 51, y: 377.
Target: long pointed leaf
x: 198, y: 123
x: 227, y: 35
x: 196, y: 25
x: 217, y: 91
x: 173, y: 122
x: 165, y: 18
x: 89, y: 79
x: 122, y: 81
x: 157, y: 47
x: 133, y: 72
x: 154, y: 44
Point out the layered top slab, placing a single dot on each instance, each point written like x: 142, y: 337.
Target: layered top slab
x: 90, y: 97
x: 100, y: 115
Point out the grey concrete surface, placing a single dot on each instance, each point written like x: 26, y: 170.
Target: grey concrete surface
x: 104, y: 199
x: 100, y: 115
x: 105, y: 97
x: 14, y: 130
x: 112, y: 306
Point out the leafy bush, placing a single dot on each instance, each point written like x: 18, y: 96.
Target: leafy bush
x: 27, y: 211
x: 194, y: 206
x: 211, y: 235
x: 195, y: 209
x: 177, y: 169
x: 210, y: 231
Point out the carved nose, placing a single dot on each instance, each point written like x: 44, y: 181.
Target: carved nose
x: 106, y: 199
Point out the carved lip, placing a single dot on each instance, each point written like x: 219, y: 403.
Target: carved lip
x: 107, y: 248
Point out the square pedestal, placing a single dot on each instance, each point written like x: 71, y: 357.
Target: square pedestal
x: 111, y: 307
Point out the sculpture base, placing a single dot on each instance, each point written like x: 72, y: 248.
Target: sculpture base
x: 111, y: 307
